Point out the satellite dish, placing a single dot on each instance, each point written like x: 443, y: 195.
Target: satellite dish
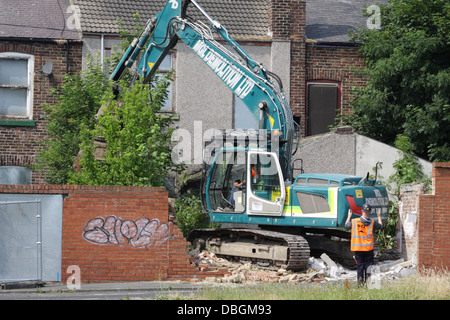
x: 47, y: 68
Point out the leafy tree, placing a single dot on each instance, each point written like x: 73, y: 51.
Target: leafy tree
x: 137, y: 138
x: 79, y: 99
x: 408, y: 67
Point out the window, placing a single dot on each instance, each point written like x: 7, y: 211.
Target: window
x: 312, y: 203
x: 16, y: 85
x: 243, y: 118
x: 267, y: 193
x: 166, y: 67
x: 323, y: 103
x: 224, y: 196
x: 265, y: 176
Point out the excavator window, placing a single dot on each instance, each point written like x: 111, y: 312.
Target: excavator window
x: 228, y: 168
x: 265, y: 177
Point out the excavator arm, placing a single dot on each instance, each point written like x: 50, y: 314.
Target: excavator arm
x: 246, y: 78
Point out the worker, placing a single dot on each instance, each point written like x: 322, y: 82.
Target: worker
x: 238, y: 185
x: 362, y: 240
x: 255, y: 174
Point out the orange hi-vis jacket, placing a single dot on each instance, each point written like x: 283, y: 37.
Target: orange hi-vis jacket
x: 362, y: 236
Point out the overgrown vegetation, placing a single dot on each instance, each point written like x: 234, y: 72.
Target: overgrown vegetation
x: 407, y: 167
x: 136, y: 135
x: 408, y: 73
x: 385, y: 237
x: 189, y: 214
x: 79, y: 99
x: 137, y: 139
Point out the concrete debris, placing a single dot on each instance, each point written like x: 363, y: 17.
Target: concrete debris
x: 322, y: 269
x: 328, y: 260
x: 387, y: 265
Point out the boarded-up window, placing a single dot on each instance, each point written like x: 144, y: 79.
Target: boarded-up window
x: 322, y: 107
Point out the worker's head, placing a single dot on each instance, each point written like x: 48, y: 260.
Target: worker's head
x: 366, y: 209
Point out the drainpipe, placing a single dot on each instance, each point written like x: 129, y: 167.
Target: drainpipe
x: 102, y: 45
x: 67, y: 56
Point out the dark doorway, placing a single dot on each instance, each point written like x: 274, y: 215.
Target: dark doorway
x: 323, y: 101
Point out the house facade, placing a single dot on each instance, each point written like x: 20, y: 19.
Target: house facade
x: 39, y: 44
x: 305, y: 42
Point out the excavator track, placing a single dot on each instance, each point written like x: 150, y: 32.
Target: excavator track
x: 257, y: 245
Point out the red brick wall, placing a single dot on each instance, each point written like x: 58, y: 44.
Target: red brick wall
x: 310, y: 61
x: 337, y: 64
x: 433, y: 221
x: 160, y: 253
x: 19, y: 145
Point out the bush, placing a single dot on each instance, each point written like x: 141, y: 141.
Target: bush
x: 137, y: 138
x: 189, y: 214
x: 79, y: 99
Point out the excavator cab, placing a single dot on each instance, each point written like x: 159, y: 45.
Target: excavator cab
x: 262, y: 191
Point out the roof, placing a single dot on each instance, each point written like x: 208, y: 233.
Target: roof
x: 37, y: 19
x: 242, y: 18
x: 326, y: 20
x: 332, y: 20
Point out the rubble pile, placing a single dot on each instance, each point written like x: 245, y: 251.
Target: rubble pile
x: 322, y: 269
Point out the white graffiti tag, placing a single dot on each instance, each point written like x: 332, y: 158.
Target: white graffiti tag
x: 141, y: 233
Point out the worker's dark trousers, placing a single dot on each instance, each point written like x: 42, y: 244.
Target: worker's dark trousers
x: 364, y: 259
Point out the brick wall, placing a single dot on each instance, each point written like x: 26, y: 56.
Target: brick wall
x: 433, y: 221
x: 336, y: 64
x: 19, y: 145
x: 118, y: 233
x: 311, y: 61
x: 287, y: 22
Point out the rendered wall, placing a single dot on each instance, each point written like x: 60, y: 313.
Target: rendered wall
x: 343, y: 151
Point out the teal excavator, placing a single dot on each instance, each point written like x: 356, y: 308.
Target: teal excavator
x: 248, y: 181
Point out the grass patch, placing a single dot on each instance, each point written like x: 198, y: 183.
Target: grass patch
x: 429, y: 286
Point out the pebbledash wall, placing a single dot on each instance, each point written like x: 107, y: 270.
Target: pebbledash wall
x: 433, y: 221
x: 118, y: 233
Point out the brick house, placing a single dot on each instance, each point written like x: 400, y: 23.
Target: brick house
x: 304, y: 41
x: 39, y: 44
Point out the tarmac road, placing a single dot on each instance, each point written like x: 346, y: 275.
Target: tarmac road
x: 103, y: 291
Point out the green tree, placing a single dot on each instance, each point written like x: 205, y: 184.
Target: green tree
x: 408, y: 67
x: 138, y: 138
x: 79, y: 99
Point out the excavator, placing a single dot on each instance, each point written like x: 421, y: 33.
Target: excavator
x: 248, y: 180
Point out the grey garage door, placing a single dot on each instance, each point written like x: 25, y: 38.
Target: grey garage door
x: 30, y: 237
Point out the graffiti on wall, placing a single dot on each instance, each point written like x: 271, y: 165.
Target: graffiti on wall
x: 142, y: 233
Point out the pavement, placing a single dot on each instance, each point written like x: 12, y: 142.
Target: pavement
x: 161, y: 286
